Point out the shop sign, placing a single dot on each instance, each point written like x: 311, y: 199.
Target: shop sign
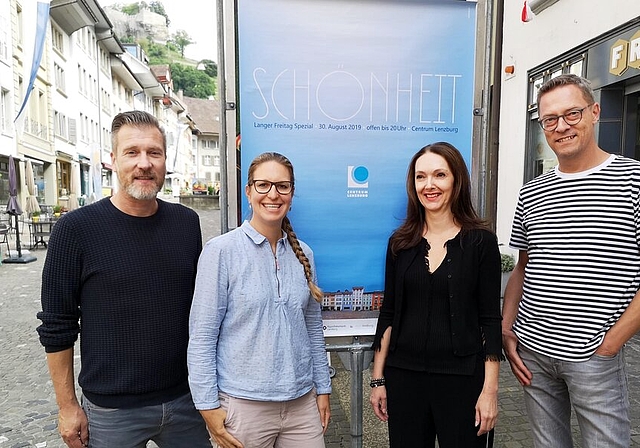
x: 625, y: 54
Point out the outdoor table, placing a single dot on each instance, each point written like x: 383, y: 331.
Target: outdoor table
x: 40, y: 230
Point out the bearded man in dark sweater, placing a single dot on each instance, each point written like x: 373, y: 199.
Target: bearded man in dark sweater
x: 120, y: 273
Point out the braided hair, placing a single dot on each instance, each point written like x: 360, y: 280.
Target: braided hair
x: 316, y: 292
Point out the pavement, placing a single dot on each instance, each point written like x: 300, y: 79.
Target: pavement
x: 28, y: 411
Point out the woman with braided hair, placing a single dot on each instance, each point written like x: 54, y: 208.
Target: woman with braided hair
x: 258, y: 369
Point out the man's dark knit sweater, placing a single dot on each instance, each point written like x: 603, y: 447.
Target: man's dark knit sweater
x: 125, y: 284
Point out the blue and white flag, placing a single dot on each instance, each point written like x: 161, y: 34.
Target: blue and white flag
x: 33, y: 12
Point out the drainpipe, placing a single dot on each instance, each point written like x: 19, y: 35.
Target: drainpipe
x: 494, y: 130
x: 222, y: 89
x: 486, y: 98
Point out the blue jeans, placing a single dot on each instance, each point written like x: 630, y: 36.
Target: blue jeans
x: 175, y: 424
x: 596, y: 388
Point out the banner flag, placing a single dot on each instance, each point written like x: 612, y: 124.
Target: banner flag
x: 32, y: 50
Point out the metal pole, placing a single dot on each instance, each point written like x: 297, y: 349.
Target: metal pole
x: 222, y: 91
x: 357, y: 361
x: 484, y: 131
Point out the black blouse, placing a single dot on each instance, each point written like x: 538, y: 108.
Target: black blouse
x: 443, y: 321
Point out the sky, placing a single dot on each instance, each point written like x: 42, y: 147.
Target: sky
x: 196, y: 17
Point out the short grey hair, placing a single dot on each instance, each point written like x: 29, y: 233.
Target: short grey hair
x: 139, y: 119
x: 568, y: 80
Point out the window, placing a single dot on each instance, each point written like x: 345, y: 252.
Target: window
x: 60, y: 125
x: 58, y: 40
x: 61, y: 84
x: 64, y: 169
x: 4, y: 39
x: 105, y: 63
x: 82, y: 129
x: 209, y: 144
x: 80, y: 80
x: 216, y: 160
x: 19, y: 25
x: 206, y: 160
x: 36, y: 122
x: 4, y: 110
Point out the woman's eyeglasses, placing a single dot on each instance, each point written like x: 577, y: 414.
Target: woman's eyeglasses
x: 264, y: 186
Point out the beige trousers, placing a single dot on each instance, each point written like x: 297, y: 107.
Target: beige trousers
x: 270, y: 424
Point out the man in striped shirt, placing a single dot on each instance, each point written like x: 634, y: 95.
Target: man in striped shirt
x: 570, y: 304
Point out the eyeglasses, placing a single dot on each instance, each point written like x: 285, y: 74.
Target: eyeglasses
x: 572, y: 117
x: 264, y: 186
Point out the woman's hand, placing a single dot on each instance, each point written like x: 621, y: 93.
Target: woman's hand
x: 378, y: 400
x: 214, y: 418
x: 324, y: 407
x: 486, y: 411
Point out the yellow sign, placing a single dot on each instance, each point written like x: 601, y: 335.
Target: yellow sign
x: 625, y: 54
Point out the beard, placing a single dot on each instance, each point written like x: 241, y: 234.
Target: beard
x: 144, y: 192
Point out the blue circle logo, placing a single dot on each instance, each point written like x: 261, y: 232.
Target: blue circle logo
x: 360, y: 174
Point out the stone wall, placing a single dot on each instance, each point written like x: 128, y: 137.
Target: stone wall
x: 200, y: 201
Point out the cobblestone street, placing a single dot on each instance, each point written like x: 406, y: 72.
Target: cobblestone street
x: 28, y: 410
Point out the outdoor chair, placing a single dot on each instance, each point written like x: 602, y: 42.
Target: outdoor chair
x: 4, y: 237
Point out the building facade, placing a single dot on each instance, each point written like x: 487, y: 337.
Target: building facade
x: 85, y: 77
x: 205, y: 141
x: 598, y: 40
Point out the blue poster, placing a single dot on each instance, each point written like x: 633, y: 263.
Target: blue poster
x: 349, y: 90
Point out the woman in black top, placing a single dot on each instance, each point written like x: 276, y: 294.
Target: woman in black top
x: 438, y: 341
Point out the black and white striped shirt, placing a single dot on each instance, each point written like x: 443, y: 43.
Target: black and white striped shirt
x: 582, y: 235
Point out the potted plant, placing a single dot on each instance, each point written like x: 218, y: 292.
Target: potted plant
x: 507, y: 263
x: 57, y: 209
x: 35, y: 216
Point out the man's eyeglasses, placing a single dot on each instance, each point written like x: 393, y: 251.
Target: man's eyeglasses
x: 572, y: 117
x: 264, y: 186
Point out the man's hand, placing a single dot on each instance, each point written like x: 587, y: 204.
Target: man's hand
x: 510, y: 345
x: 214, y: 419
x: 73, y: 426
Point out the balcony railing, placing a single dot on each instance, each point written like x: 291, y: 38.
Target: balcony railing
x: 36, y: 129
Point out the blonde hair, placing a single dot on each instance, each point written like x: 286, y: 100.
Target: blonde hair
x: 316, y: 292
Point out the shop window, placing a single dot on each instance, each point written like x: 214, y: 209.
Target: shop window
x: 64, y: 172
x: 38, y: 177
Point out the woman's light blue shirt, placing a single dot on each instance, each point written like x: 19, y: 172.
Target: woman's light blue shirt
x: 255, y: 330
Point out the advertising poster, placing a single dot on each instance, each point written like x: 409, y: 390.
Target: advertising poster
x: 349, y: 90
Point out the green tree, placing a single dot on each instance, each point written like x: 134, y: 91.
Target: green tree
x: 182, y: 40
x: 193, y: 82
x: 210, y: 67
x: 133, y: 8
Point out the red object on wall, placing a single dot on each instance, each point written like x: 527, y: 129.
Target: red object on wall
x: 527, y: 14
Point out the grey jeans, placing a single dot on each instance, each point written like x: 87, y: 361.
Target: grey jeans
x: 175, y: 424
x: 596, y: 388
